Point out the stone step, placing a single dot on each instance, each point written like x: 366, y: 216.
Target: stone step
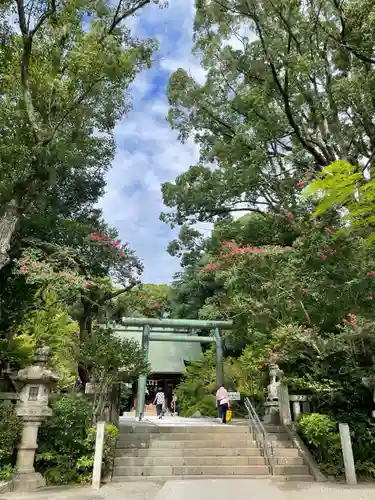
x: 284, y: 451
x: 194, y: 437
x: 201, y: 470
x: 205, y: 460
x: 188, y: 452
x: 197, y: 443
x: 274, y: 429
x: 153, y: 429
x: 201, y: 452
x: 188, y: 461
x: 190, y: 437
x: 289, y: 470
x: 295, y: 478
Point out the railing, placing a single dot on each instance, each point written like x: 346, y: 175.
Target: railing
x: 260, y: 434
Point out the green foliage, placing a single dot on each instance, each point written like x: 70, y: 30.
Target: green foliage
x: 269, y: 114
x: 111, y: 360
x: 320, y: 432
x: 346, y: 186
x: 197, y: 390
x: 48, y: 325
x: 146, y: 300
x: 10, y: 431
x: 79, y: 61
x: 67, y: 442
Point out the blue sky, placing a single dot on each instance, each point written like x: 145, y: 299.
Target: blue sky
x: 148, y: 152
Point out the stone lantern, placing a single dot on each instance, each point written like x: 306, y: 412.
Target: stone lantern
x: 32, y: 408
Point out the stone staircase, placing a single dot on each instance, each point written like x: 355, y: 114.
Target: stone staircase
x: 175, y: 452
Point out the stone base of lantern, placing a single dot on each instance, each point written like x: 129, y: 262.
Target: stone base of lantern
x: 28, y: 481
x: 271, y: 413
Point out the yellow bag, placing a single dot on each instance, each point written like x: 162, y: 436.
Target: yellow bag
x: 228, y: 415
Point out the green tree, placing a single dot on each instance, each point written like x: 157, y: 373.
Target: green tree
x: 65, y: 72
x: 294, y: 95
x: 145, y: 300
x: 111, y: 361
x: 48, y: 325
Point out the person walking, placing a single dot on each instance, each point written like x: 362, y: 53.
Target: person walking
x: 159, y: 401
x: 222, y: 400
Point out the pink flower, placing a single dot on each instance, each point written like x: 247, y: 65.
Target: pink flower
x: 86, y: 284
x: 300, y: 184
x: 122, y: 251
x: 327, y: 230
x: 289, y: 214
x: 324, y: 258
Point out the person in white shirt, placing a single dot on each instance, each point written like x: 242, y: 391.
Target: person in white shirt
x: 159, y: 401
x: 222, y: 399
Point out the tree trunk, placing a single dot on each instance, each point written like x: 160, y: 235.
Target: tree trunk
x: 85, y: 324
x: 8, y: 223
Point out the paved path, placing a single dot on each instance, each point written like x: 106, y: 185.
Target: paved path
x: 170, y: 421
x: 207, y: 489
x: 145, y: 490
x: 263, y: 489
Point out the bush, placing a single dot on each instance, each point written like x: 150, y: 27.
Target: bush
x: 321, y: 435
x: 320, y: 432
x: 67, y: 442
x: 206, y: 406
x: 10, y: 430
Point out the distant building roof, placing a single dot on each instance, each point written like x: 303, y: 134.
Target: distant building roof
x: 164, y: 357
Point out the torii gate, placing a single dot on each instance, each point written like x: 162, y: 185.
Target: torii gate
x: 153, y: 330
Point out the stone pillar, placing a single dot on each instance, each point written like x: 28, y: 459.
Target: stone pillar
x: 32, y: 408
x: 27, y: 447
x: 219, y: 358
x: 347, y: 451
x: 284, y: 405
x: 142, y: 379
x: 300, y: 404
x: 306, y: 407
x: 296, y: 410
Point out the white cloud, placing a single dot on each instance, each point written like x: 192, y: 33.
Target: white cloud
x: 148, y: 152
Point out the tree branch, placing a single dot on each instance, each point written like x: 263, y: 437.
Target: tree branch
x: 112, y: 295
x: 27, y: 41
x: 283, y: 91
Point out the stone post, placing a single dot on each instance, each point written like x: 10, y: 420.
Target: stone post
x: 347, y: 451
x: 300, y: 405
x: 284, y: 404
x: 296, y: 410
x: 98, y: 457
x: 32, y: 408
